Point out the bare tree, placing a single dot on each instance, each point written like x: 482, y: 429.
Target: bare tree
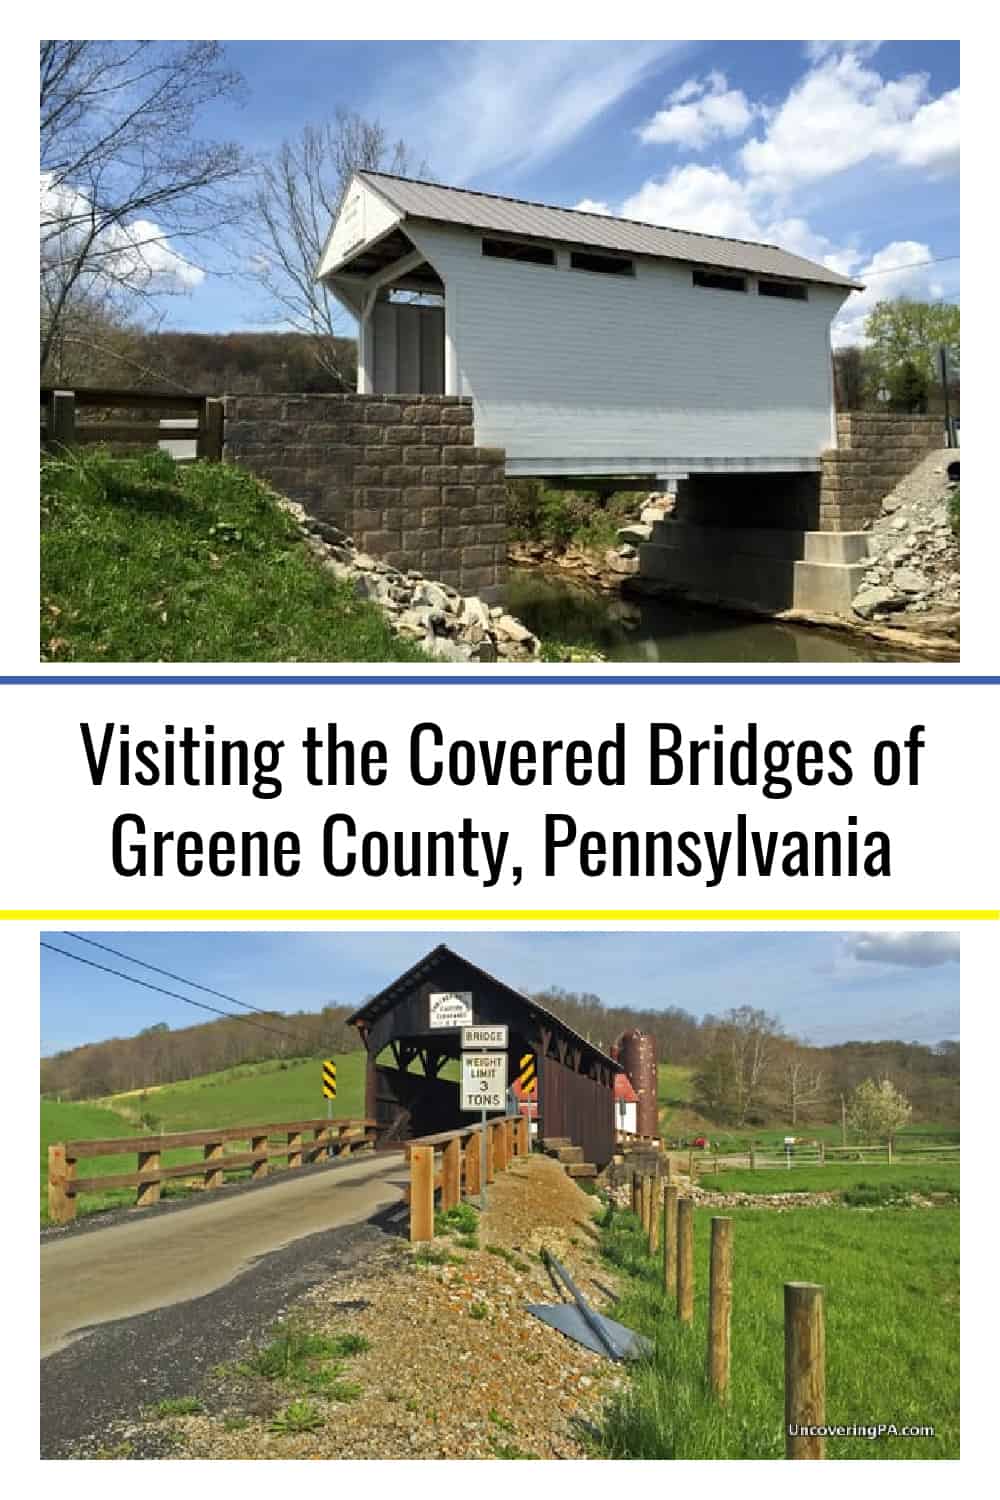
x: 803, y: 1084
x: 299, y: 193
x: 127, y: 190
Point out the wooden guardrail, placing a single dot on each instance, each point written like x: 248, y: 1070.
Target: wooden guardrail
x: 60, y: 429
x: 341, y: 1136
x: 451, y: 1163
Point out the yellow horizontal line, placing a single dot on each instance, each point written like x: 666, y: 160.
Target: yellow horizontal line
x: 546, y: 914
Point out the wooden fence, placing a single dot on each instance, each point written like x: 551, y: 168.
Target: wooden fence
x: 451, y: 1163
x: 805, y: 1338
x: 762, y: 1158
x: 338, y: 1136
x: 60, y: 429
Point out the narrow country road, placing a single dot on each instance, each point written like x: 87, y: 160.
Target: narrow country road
x: 173, y: 1255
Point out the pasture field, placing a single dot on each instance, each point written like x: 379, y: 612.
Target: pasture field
x: 892, y: 1335
x: 851, y: 1177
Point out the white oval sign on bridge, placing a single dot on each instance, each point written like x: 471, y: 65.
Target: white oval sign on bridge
x: 484, y: 1037
x: 451, y: 1008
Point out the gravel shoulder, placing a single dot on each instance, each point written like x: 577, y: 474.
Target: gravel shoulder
x: 450, y: 1363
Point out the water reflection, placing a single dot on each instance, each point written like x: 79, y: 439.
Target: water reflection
x: 657, y: 630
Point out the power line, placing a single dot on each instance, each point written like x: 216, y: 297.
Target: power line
x: 912, y: 265
x: 158, y: 988
x: 142, y: 964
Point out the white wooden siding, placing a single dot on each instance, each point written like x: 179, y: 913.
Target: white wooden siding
x: 364, y: 217
x: 575, y: 368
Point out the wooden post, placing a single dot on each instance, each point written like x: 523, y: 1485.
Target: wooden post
x: 451, y: 1175
x: 258, y: 1143
x: 491, y: 1170
x: 319, y: 1139
x: 525, y: 1135
x: 644, y: 1202
x: 213, y: 1154
x: 685, y: 1259
x: 421, y: 1193
x: 668, y: 1175
x: 62, y: 1203
x: 472, y: 1183
x: 715, y: 1165
x: 60, y: 431
x: 148, y: 1192
x: 508, y: 1142
x: 653, y: 1232
x: 295, y: 1148
x: 805, y: 1369
x: 212, y: 419
x: 720, y: 1307
x: 888, y: 1151
x: 822, y: 1153
x: 691, y: 1164
x: 670, y: 1240
x: 636, y: 1193
x: 500, y: 1146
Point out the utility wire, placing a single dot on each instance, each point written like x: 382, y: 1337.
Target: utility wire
x: 200, y: 1004
x: 142, y: 964
x: 909, y: 266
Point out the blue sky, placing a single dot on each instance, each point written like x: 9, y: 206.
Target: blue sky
x: 846, y: 152
x: 824, y: 986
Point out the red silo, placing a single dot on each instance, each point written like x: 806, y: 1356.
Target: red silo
x: 637, y: 1055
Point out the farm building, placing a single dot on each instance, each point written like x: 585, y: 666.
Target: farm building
x: 409, y: 1051
x: 589, y: 344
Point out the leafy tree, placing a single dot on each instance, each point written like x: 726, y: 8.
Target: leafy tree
x: 908, y: 388
x: 901, y: 330
x: 877, y: 1110
x: 299, y: 193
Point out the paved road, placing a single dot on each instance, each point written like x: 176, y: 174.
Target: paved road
x: 163, y: 1257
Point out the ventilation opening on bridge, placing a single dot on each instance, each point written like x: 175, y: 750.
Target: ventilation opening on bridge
x: 412, y: 1087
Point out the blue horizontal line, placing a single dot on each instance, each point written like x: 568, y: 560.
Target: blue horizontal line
x: 479, y: 680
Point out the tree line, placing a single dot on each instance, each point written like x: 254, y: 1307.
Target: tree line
x: 747, y: 1069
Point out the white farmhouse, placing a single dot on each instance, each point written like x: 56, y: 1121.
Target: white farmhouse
x: 589, y: 344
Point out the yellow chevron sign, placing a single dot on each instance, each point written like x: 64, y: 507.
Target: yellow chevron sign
x: 527, y: 1076
x: 329, y: 1079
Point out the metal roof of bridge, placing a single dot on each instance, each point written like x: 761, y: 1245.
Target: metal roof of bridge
x: 451, y: 205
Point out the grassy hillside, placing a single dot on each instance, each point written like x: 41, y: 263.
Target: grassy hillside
x: 892, y: 1334
x: 265, y: 1094
x: 145, y: 560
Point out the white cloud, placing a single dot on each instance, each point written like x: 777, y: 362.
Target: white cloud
x: 843, y: 113
x: 697, y: 197
x: 592, y: 206
x: 898, y: 269
x: 138, y: 254
x: 820, y: 51
x: 510, y: 105
x: 919, y: 950
x: 700, y: 111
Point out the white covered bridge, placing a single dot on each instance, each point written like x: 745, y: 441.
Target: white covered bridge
x: 589, y: 344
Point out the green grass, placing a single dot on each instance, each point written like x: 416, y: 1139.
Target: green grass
x: 174, y: 1406
x: 308, y: 1363
x: 264, y: 1093
x: 892, y: 1339
x: 146, y: 560
x: 894, y: 1181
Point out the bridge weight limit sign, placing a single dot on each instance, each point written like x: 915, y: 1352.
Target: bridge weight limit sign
x: 484, y: 1081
